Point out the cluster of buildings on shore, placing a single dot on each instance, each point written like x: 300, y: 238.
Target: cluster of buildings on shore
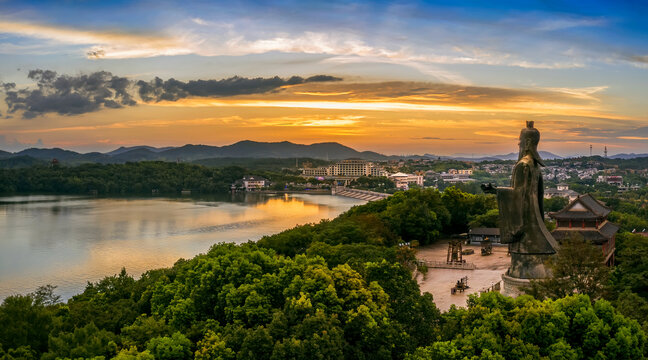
x: 346, y: 171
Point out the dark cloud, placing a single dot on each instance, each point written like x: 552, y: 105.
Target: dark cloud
x: 68, y: 95
x: 172, y: 89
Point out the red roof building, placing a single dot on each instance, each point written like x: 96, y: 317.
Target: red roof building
x: 587, y: 217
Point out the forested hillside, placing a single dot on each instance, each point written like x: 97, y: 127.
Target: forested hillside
x: 340, y: 289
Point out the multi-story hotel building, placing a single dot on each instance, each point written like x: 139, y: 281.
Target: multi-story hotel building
x: 347, y: 168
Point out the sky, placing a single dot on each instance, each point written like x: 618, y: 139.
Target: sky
x: 442, y: 77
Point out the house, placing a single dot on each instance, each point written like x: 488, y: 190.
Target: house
x: 402, y: 181
x: 562, y: 190
x: 611, y: 179
x: 477, y: 235
x: 587, y: 217
x: 251, y: 183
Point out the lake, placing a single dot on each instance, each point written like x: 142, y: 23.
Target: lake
x: 69, y: 240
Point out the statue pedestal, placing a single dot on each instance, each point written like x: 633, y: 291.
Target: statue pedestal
x: 512, y: 286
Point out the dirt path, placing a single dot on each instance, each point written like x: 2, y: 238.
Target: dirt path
x: 438, y: 282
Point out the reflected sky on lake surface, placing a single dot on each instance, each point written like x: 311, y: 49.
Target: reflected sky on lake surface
x: 68, y: 241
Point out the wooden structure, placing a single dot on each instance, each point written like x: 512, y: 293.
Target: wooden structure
x: 587, y: 217
x: 462, y: 284
x: 455, y: 255
x: 486, y: 247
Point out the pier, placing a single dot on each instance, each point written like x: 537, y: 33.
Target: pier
x: 359, y: 194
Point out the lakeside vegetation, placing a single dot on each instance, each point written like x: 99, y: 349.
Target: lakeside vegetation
x: 337, y: 289
x: 141, y: 178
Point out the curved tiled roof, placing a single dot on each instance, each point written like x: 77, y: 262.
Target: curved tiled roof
x: 595, y: 209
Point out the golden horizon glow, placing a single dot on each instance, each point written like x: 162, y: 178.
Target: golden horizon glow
x: 392, y: 118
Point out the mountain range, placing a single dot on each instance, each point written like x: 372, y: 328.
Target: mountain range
x: 189, y: 152
x: 241, y: 149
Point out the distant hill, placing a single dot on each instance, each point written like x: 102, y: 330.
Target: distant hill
x: 273, y: 164
x: 20, y: 161
x: 124, y: 149
x: 284, y: 149
x: 510, y: 156
x: 628, y: 156
x: 243, y: 149
x: 134, y: 155
x: 190, y: 152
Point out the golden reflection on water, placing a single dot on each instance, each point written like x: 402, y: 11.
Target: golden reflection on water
x: 286, y: 206
x: 88, y: 239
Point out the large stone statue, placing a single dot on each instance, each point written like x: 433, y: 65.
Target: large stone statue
x: 522, y: 216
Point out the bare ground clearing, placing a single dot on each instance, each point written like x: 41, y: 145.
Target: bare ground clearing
x: 438, y: 282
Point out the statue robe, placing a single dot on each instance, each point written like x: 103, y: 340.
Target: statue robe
x: 522, y: 221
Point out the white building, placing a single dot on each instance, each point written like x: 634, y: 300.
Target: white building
x: 348, y: 168
x: 403, y: 180
x: 562, y: 190
x: 252, y: 183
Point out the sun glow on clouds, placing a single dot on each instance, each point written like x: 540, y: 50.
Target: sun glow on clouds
x: 104, y: 44
x: 530, y: 107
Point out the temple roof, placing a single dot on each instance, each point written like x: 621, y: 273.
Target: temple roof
x: 604, y: 233
x: 583, y: 207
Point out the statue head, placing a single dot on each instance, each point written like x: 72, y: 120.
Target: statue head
x: 529, y: 139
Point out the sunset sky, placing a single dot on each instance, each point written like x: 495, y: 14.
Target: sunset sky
x: 393, y: 77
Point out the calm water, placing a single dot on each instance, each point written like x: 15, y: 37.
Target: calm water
x: 68, y: 241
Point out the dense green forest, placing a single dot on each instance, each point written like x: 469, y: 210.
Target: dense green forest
x: 339, y: 289
x: 130, y: 178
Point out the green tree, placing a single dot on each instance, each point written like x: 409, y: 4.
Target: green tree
x: 556, y: 203
x: 142, y: 330
x: 213, y: 347
x: 578, y: 267
x: 490, y: 219
x: 86, y: 342
x: 133, y: 354
x: 25, y: 322
x: 174, y: 347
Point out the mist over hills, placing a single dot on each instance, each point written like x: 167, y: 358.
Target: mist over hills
x: 510, y: 156
x: 241, y: 149
x: 628, y: 156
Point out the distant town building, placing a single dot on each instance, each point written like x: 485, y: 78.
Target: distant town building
x: 477, y: 235
x: 251, y: 183
x: 348, y: 168
x: 315, y: 172
x: 403, y: 181
x: 562, y: 190
x: 610, y: 179
x: 453, y: 176
x: 588, y: 217
x: 625, y: 188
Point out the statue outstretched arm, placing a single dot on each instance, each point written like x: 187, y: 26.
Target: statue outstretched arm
x: 489, y: 188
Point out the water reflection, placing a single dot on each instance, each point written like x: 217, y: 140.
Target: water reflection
x: 67, y: 241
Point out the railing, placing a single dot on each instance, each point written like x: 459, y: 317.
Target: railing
x: 446, y: 265
x: 494, y: 287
